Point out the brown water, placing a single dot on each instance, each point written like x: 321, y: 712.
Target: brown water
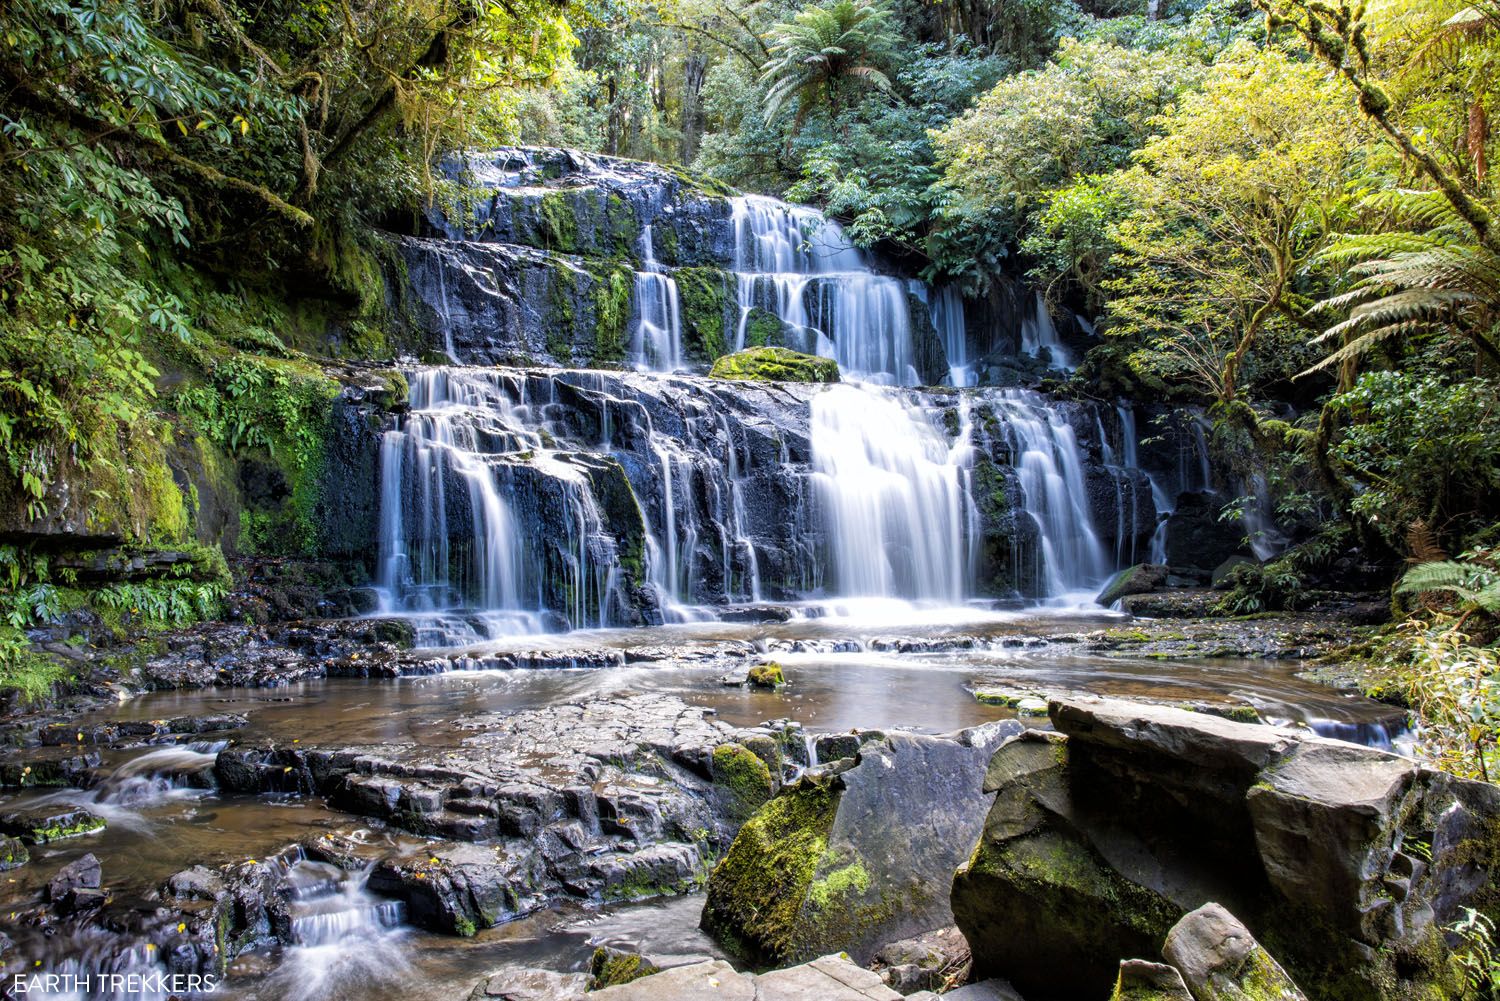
x: 154, y: 832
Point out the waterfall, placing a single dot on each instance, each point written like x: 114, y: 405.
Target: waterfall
x: 900, y: 516
x: 656, y: 336
x: 1038, y: 333
x: 798, y: 265
x: 461, y: 538
x: 947, y: 309
x: 516, y: 500
x: 1050, y: 467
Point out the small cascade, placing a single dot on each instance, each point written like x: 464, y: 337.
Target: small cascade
x: 161, y: 774
x: 797, y: 265
x: 341, y: 935
x: 900, y: 518
x: 656, y: 335
x: 946, y: 306
x: 1038, y: 333
x: 1191, y: 474
x: 1050, y: 467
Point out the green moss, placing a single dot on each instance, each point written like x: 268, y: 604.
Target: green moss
x: 610, y: 968
x: 558, y: 222
x: 87, y: 824
x: 850, y: 880
x: 613, y: 284
x: 704, y: 295
x: 622, y: 224
x: 768, y: 675
x: 756, y: 892
x: 763, y: 329
x: 13, y: 854
x: 744, y: 779
x: 775, y: 365
x: 464, y: 927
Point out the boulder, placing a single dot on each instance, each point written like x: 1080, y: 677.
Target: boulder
x: 857, y: 854
x: 1222, y: 572
x: 773, y: 364
x: 1220, y: 960
x: 1143, y: 578
x: 1140, y: 980
x: 609, y: 967
x: 1347, y: 862
x: 768, y: 675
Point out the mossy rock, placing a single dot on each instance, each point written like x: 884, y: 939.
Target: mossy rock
x: 13, y: 854
x: 612, y: 967
x: 756, y: 893
x: 771, y: 364
x: 743, y: 779
x: 768, y: 675
x: 40, y: 826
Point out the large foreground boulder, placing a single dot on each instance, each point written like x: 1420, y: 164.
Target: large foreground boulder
x: 1346, y: 862
x: 853, y: 857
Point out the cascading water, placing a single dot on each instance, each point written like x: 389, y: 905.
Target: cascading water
x: 896, y: 495
x: 1050, y: 466
x: 1039, y: 337
x: 656, y: 336
x: 518, y: 500
x: 797, y: 264
x: 454, y: 549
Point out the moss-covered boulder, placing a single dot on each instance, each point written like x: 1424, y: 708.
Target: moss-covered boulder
x: 611, y: 967
x: 1039, y: 904
x: 768, y: 675
x: 857, y: 855
x: 1143, y: 578
x: 772, y: 364
x: 13, y: 854
x: 743, y: 781
x: 1219, y: 960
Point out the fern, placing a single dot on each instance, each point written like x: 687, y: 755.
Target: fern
x: 1477, y: 586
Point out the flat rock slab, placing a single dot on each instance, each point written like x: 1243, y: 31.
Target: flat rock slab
x: 829, y: 978
x: 608, y: 800
x: 985, y: 990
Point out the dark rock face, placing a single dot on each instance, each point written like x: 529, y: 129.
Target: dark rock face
x: 1345, y: 861
x: 856, y: 857
x: 1197, y: 540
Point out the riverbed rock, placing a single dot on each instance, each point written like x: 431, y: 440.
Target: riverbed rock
x: 1143, y: 578
x: 13, y: 854
x: 1345, y: 861
x: 1220, y: 960
x: 855, y: 856
x: 37, y: 825
x: 607, y: 800
x: 827, y: 978
x: 531, y: 985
